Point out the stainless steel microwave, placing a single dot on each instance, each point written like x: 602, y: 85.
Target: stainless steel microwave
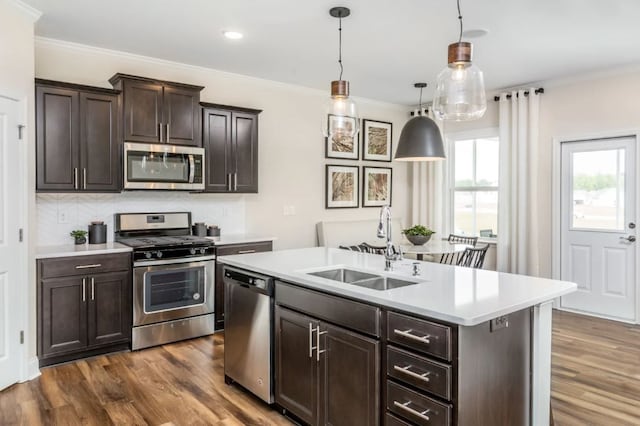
x: 161, y: 166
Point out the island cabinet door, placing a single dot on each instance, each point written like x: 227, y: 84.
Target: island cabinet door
x: 350, y: 378
x: 297, y: 378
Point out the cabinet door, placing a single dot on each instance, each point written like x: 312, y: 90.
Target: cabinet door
x: 99, y: 155
x: 244, y: 140
x: 350, y: 378
x: 143, y: 111
x: 297, y: 380
x: 63, y: 315
x: 109, y: 311
x: 56, y: 139
x: 216, y: 136
x: 181, y: 116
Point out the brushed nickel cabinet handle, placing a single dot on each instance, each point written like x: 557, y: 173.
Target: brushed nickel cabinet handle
x: 405, y: 370
x: 93, y: 288
x: 75, y: 178
x: 84, y: 289
x: 318, y: 351
x: 246, y: 251
x: 160, y: 131
x: 166, y: 132
x: 84, y: 178
x: 229, y: 182
x: 405, y: 407
x: 408, y: 335
x: 235, y: 181
x: 94, y: 265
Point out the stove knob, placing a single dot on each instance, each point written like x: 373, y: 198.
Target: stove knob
x: 158, y: 254
x: 192, y: 251
x: 203, y: 250
x: 148, y: 255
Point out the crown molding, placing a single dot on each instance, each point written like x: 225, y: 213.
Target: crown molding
x: 26, y: 9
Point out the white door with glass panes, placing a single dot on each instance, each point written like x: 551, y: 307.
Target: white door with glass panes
x: 10, y: 285
x: 474, y: 199
x: 598, y: 226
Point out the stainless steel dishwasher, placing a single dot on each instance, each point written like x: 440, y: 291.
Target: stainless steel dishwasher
x: 248, y: 331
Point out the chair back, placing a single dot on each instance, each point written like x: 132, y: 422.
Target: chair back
x: 473, y: 257
x: 365, y: 248
x: 463, y: 239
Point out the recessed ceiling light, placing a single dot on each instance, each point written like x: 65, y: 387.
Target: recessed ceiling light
x: 232, y: 35
x: 475, y: 33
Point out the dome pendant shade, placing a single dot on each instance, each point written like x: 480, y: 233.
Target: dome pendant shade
x: 420, y: 140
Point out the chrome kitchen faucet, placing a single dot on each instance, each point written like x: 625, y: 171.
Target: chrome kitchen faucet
x: 390, y: 252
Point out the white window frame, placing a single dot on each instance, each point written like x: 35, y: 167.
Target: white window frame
x: 452, y: 138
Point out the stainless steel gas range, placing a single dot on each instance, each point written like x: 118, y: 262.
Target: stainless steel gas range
x: 173, y: 277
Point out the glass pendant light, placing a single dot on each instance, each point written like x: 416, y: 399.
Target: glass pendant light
x: 460, y: 94
x: 420, y: 139
x: 340, y: 119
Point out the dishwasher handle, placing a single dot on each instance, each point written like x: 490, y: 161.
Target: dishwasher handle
x: 250, y: 281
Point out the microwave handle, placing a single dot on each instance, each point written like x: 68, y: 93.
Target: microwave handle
x: 192, y: 168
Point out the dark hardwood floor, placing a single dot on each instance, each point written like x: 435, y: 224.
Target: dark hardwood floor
x: 596, y: 381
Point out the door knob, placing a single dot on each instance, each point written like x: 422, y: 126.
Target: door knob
x: 630, y: 238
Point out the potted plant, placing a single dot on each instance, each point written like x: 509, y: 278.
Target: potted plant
x: 79, y: 235
x: 418, y: 234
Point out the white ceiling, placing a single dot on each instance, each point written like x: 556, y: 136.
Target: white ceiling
x: 388, y: 45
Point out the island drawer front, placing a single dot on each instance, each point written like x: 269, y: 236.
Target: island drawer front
x: 83, y: 265
x: 419, y: 372
x: 228, y: 250
x: 347, y: 313
x: 420, y: 335
x: 416, y: 408
x: 391, y: 420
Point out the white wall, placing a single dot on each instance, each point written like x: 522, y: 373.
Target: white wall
x: 292, y: 163
x: 16, y: 81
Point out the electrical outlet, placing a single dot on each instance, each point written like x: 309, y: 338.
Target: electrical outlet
x: 63, y: 216
x: 289, y: 210
x: 499, y: 323
x: 292, y: 210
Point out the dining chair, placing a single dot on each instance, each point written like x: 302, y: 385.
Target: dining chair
x: 454, y: 258
x: 473, y: 257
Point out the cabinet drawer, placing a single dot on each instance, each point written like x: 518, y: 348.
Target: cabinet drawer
x: 419, y: 372
x: 417, y: 408
x: 83, y: 265
x: 391, y: 420
x: 347, y: 313
x: 421, y: 335
x: 244, y: 248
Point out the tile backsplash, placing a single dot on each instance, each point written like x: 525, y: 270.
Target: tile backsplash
x: 59, y: 214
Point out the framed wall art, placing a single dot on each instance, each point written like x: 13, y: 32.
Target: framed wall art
x: 376, y: 140
x: 376, y: 188
x: 340, y: 142
x: 341, y: 187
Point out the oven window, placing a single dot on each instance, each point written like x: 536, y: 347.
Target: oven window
x: 145, y: 166
x: 174, y: 288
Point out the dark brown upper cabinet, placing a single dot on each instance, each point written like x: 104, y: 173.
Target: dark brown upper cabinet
x: 230, y: 137
x: 158, y: 111
x: 76, y: 138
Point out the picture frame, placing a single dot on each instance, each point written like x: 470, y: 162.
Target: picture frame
x: 377, y: 185
x: 341, y: 187
x: 377, y: 140
x: 340, y: 146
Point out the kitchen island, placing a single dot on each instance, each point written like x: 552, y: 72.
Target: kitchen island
x: 437, y: 345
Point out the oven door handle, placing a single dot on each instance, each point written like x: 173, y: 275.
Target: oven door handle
x: 192, y: 168
x: 185, y: 260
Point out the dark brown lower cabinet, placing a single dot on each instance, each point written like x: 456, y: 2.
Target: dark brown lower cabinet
x: 82, y: 313
x: 326, y: 375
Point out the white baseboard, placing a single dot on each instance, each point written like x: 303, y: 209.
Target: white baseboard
x: 31, y: 369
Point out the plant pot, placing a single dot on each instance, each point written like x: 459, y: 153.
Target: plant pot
x: 80, y: 240
x: 418, y: 240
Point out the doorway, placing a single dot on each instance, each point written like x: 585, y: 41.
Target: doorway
x: 598, y: 226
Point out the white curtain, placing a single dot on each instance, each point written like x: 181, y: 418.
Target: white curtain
x: 430, y: 196
x: 518, y: 231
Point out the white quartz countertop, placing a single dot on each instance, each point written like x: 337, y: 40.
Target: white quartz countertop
x: 45, y: 252
x: 226, y: 239
x: 453, y: 294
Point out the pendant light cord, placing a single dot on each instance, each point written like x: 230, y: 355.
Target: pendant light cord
x: 460, y: 18
x: 340, y: 48
x: 420, y: 102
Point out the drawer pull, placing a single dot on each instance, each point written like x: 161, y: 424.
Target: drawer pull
x: 408, y: 335
x: 246, y: 251
x: 405, y: 407
x: 95, y: 265
x: 424, y: 376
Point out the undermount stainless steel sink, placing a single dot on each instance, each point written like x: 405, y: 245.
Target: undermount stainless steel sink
x: 362, y: 279
x: 344, y: 275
